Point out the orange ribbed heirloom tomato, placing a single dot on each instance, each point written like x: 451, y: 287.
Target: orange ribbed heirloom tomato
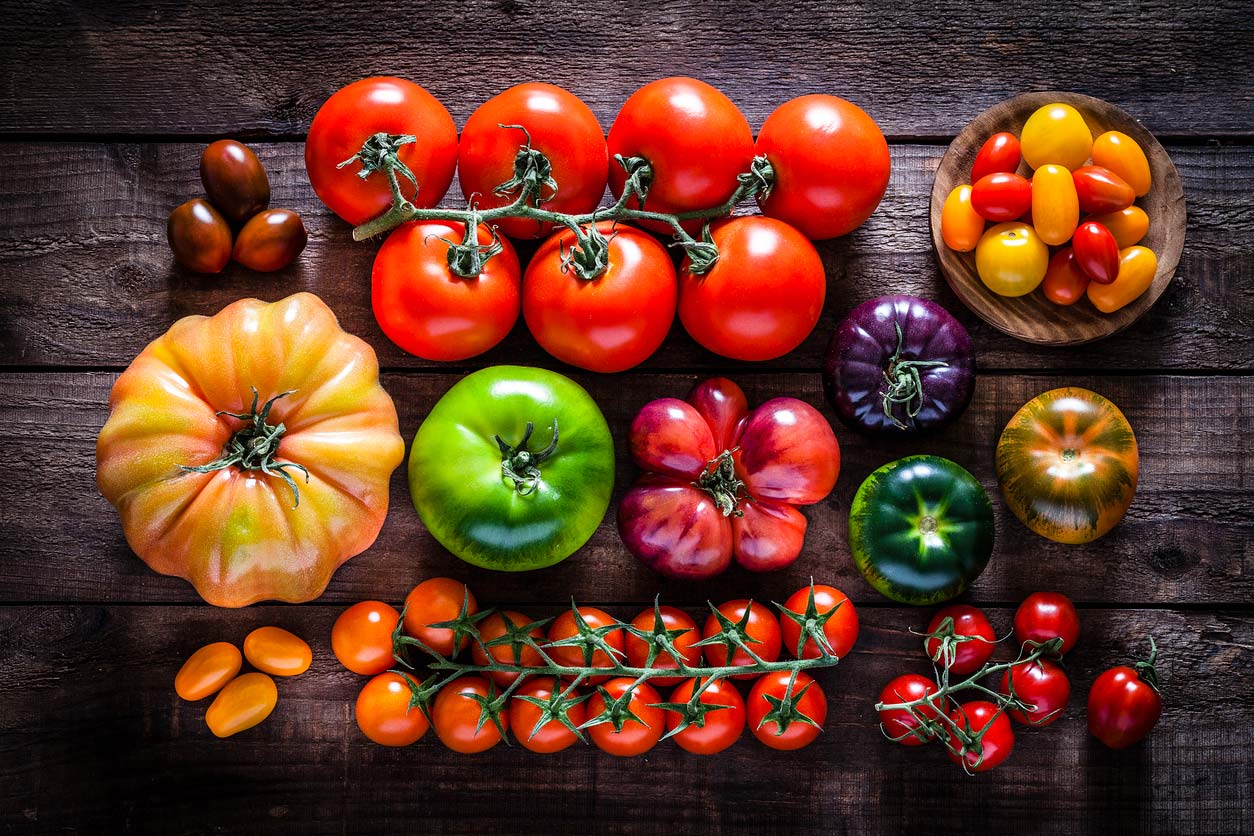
x: 250, y: 452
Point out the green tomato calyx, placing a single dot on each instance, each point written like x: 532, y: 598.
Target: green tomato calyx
x: 520, y: 465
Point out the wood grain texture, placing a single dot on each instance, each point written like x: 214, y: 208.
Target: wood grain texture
x: 1032, y: 317
x: 80, y: 751
x: 86, y: 277
x: 167, y: 67
x: 1186, y: 537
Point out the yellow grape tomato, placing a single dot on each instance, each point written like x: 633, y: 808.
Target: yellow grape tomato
x: 1056, y: 133
x: 276, y: 651
x: 961, y: 225
x: 242, y: 704
x: 1137, y: 266
x: 1055, y: 205
x: 207, y: 670
x: 1128, y: 226
x: 1011, y: 259
x: 1119, y: 152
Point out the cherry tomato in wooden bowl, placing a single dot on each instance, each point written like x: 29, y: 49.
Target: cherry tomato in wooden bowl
x: 1000, y: 152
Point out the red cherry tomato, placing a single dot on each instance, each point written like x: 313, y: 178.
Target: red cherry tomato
x: 1046, y: 615
x: 831, y: 165
x: 636, y: 736
x: 1043, y: 685
x: 840, y: 629
x: 718, y: 728
x: 672, y: 619
x: 456, y: 713
x: 1124, y: 704
x: 384, y: 714
x: 553, y: 736
x: 1001, y: 196
x: 1064, y: 282
x: 1096, y: 253
x: 762, y: 631
x: 1000, y: 152
x: 900, y: 724
x: 993, y: 747
x: 1101, y: 190
x: 492, y: 628
x: 963, y: 657
x: 808, y: 701
x: 361, y: 637
x: 565, y: 626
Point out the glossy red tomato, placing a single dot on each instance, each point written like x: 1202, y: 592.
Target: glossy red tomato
x: 762, y: 631
x: 1000, y: 152
x: 1125, y: 704
x: 718, y: 728
x: 455, y: 716
x: 1046, y: 615
x: 1001, y: 196
x: 963, y: 657
x: 807, y: 700
x: 384, y: 714
x: 636, y: 736
x: 993, y: 747
x: 560, y: 125
x: 1101, y: 190
x: 831, y: 165
x: 1043, y: 685
x: 1096, y: 253
x: 1064, y: 282
x: 361, y: 637
x: 432, y: 313
x: 840, y: 629
x: 899, y: 724
x: 433, y: 601
x: 695, y: 139
x: 672, y: 619
x: 357, y: 112
x: 764, y: 295
x: 524, y: 715
x: 609, y: 323
x: 493, y: 628
x: 565, y: 626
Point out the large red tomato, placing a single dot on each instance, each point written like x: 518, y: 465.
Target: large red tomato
x: 831, y: 165
x: 761, y: 298
x: 560, y: 126
x: 694, y: 137
x: 609, y: 323
x: 426, y: 309
x: 357, y: 112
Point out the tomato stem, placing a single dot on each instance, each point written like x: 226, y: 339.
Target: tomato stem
x: 904, y: 385
x: 519, y: 465
x: 720, y: 481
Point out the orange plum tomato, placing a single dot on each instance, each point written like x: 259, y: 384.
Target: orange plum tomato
x: 246, y: 700
x: 277, y: 652
x: 1055, y: 207
x: 1137, y: 267
x: 1128, y: 226
x: 961, y: 225
x: 1120, y: 153
x: 207, y: 670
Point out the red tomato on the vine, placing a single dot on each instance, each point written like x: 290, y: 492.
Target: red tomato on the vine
x: 552, y: 736
x: 722, y: 726
x: 970, y: 655
x: 898, y: 723
x: 492, y: 628
x: 672, y: 619
x: 840, y: 629
x: 433, y: 601
x: 762, y: 629
x: 565, y: 627
x: 636, y: 737
x: 455, y: 716
x: 996, y: 743
x: 384, y: 714
x: 1042, y: 684
x: 1046, y: 615
x: 809, y: 702
x: 1125, y: 704
x: 361, y: 637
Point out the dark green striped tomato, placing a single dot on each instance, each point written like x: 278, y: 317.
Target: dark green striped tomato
x: 513, y: 468
x: 1068, y: 465
x: 921, y: 529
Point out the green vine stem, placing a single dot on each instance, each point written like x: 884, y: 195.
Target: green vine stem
x: 905, y: 386
x: 531, y: 185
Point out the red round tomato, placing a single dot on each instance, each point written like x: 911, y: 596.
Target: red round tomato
x: 357, y: 112
x: 899, y: 724
x: 636, y: 736
x: 761, y: 632
x: 430, y: 312
x: 761, y: 298
x: 672, y: 619
x: 717, y: 728
x: 695, y: 139
x: 831, y: 165
x: 608, y: 323
x: 494, y: 627
x: 1124, y: 704
x: 1046, y: 615
x: 992, y: 747
x: 384, y: 714
x: 1096, y: 253
x: 840, y: 628
x: 361, y: 637
x: 565, y: 626
x: 1000, y: 152
x: 963, y: 656
x: 525, y: 714
x: 794, y: 715
x: 560, y: 126
x: 1043, y: 685
x: 455, y: 715
x: 433, y: 601
x: 1001, y: 196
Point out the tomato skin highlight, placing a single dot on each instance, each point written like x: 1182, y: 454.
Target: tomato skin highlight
x: 432, y: 601
x: 961, y: 225
x: 764, y: 637
x: 1123, y: 708
x: 247, y: 700
x: 1011, y: 259
x: 723, y: 726
x: 1056, y: 133
x: 812, y: 704
x: 1137, y: 268
x: 1121, y: 154
x: 1128, y: 226
x: 634, y: 739
x: 455, y: 716
x: 1041, y: 683
x: 383, y: 713
x: 1064, y: 282
x: 552, y: 736
x: 996, y: 744
x: 1000, y: 152
x: 361, y: 637
x: 968, y: 656
x: 672, y: 619
x: 1047, y: 615
x: 841, y: 629
x: 207, y: 670
x: 493, y: 627
x: 900, y: 725
x: 1001, y: 196
x: 1055, y: 206
x: 277, y: 652
x: 1101, y: 191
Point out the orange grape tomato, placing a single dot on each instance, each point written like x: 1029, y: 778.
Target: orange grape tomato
x: 1011, y: 259
x: 1128, y: 226
x: 1137, y: 267
x: 961, y: 225
x: 1055, y: 207
x: 242, y: 704
x: 1056, y: 133
x: 1119, y: 152
x: 276, y: 651
x: 207, y: 670
x: 1064, y: 282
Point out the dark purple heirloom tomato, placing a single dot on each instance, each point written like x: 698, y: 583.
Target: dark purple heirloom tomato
x: 899, y: 364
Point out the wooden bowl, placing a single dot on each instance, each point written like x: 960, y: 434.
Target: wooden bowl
x: 1032, y: 317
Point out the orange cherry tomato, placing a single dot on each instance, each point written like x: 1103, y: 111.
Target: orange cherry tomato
x: 636, y: 737
x: 455, y: 715
x: 493, y: 627
x: 1128, y: 226
x: 1137, y: 266
x: 362, y: 637
x: 1120, y: 153
x: 565, y: 627
x: 1101, y: 190
x: 672, y: 619
x: 1001, y: 196
x: 207, y: 670
x: 277, y: 652
x: 1064, y: 282
x: 432, y: 601
x: 1096, y: 253
x: 961, y: 225
x: 1055, y: 206
x: 1000, y: 152
x: 1011, y: 259
x: 243, y: 703
x: 384, y: 714
x: 553, y: 736
x: 1056, y: 133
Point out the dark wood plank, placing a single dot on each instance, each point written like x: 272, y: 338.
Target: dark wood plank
x: 166, y: 67
x: 94, y: 740
x: 1186, y: 537
x: 86, y: 278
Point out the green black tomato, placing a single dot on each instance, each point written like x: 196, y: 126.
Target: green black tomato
x: 921, y: 529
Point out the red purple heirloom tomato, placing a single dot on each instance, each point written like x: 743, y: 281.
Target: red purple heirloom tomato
x: 899, y: 364
x: 722, y: 480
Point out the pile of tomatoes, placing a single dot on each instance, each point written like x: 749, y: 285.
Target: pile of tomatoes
x: 386, y: 711
x: 1080, y: 200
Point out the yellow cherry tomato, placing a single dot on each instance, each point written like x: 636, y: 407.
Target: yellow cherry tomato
x: 1056, y: 133
x: 1011, y: 259
x: 1120, y: 153
x: 1137, y: 266
x: 207, y: 670
x: 1127, y: 225
x: 276, y: 651
x: 961, y: 225
x: 1055, y: 206
x: 242, y: 704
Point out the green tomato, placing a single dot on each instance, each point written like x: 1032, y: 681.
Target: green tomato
x: 513, y: 468
x: 921, y: 529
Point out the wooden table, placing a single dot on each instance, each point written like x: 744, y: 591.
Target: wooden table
x: 104, y: 109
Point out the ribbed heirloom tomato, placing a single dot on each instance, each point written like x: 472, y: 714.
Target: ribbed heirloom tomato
x: 207, y: 670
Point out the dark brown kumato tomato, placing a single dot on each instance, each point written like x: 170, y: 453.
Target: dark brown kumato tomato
x: 270, y: 240
x: 199, y: 237
x: 234, y: 180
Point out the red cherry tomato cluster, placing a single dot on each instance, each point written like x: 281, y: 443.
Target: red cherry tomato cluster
x: 1080, y: 200
x: 547, y: 713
